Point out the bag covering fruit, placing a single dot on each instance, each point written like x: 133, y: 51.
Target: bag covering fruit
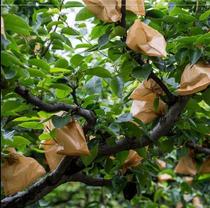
x: 143, y: 38
x: 70, y: 139
x: 144, y: 109
x: 132, y: 160
x: 135, y: 6
x: 18, y: 172
x: 186, y: 166
x: 146, y: 90
x: 105, y: 10
x: 53, y: 159
x: 205, y: 167
x: 195, y: 78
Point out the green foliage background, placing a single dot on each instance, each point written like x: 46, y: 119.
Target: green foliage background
x: 90, y: 54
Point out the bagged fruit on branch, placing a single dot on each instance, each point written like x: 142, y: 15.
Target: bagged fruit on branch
x: 195, y: 78
x: 144, y: 109
x: 18, y: 172
x: 205, y: 167
x: 186, y: 166
x: 105, y: 10
x: 146, y: 90
x: 143, y: 38
x: 135, y: 6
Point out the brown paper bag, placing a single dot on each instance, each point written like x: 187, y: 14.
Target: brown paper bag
x: 146, y: 90
x: 195, y: 78
x: 132, y: 160
x: 205, y: 167
x: 186, y: 166
x: 165, y: 177
x: 162, y: 164
x: 18, y: 172
x: 53, y: 159
x: 144, y: 110
x: 197, y: 202
x: 188, y: 179
x: 105, y: 10
x: 71, y: 139
x: 143, y: 38
x: 135, y: 6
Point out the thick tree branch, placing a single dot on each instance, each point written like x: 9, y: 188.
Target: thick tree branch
x: 198, y: 148
x: 70, y: 166
x: 87, y: 114
x: 123, y: 18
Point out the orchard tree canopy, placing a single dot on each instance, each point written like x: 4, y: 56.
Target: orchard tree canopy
x: 105, y: 103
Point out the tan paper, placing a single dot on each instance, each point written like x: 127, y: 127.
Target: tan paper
x: 197, y: 202
x: 2, y: 28
x: 186, y: 166
x: 205, y: 167
x: 71, y: 139
x: 188, y: 179
x: 18, y: 172
x: 135, y: 6
x: 105, y: 10
x: 161, y: 163
x: 143, y: 38
x: 164, y: 177
x: 195, y: 78
x: 144, y: 110
x: 132, y: 160
x: 146, y: 90
x: 52, y: 157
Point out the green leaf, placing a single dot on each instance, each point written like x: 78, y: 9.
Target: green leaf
x: 7, y: 59
x: 117, y: 86
x: 20, y: 142
x: 87, y: 160
x: 156, y: 103
x: 40, y: 63
x: 70, y: 4
x: 114, y: 53
x: 77, y: 59
x: 122, y: 156
x: 103, y: 40
x: 59, y: 70
x: 61, y: 63
x: 60, y: 121
x: 16, y: 24
x: 205, y: 15
x: 36, y: 73
x: 83, y: 14
x: 142, y: 72
x: 31, y: 125
x: 24, y: 118
x: 195, y: 55
x: 100, y: 72
x: 70, y: 31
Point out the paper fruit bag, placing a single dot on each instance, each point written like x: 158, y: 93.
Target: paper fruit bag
x: 2, y: 28
x: 135, y: 6
x: 105, y: 10
x: 195, y: 78
x: 18, y: 172
x: 132, y: 160
x: 205, y: 167
x: 144, y: 110
x: 70, y: 139
x: 143, y: 38
x: 146, y: 90
x: 52, y: 157
x: 186, y: 166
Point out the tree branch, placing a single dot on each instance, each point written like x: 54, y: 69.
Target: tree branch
x: 87, y: 114
x: 70, y: 166
x: 123, y: 18
x: 198, y: 148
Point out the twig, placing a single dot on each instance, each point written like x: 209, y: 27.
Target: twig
x: 198, y: 148
x: 123, y: 18
x: 49, y: 44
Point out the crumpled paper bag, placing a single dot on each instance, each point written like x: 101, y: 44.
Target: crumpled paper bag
x: 105, y: 10
x: 196, y: 201
x: 164, y: 177
x: 146, y: 90
x: 205, y: 167
x: 144, y: 110
x: 186, y: 166
x: 162, y: 164
x: 195, y: 78
x: 71, y: 139
x: 132, y: 160
x: 18, y: 172
x: 53, y: 159
x: 143, y: 38
x: 135, y: 6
